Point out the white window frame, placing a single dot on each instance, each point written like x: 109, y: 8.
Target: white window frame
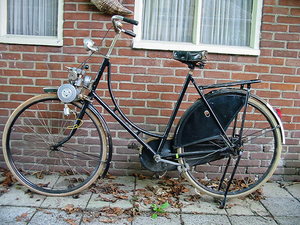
x: 30, y: 39
x: 138, y: 43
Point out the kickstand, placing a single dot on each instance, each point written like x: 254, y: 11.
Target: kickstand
x: 230, y: 181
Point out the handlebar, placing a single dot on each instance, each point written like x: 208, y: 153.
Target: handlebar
x: 118, y: 25
x: 134, y: 22
x: 128, y: 32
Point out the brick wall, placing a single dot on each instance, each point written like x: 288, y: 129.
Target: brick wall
x: 144, y: 81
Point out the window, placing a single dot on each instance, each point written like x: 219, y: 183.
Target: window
x: 34, y: 22
x: 219, y: 26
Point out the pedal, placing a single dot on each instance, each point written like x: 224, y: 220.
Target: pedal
x: 133, y: 145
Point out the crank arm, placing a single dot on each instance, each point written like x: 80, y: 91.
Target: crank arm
x: 198, y: 153
x: 158, y: 159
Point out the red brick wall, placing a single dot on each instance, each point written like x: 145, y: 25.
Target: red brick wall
x: 145, y: 81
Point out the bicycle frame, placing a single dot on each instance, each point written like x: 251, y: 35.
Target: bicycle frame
x: 130, y: 126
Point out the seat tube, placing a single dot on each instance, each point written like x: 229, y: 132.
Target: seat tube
x: 174, y: 113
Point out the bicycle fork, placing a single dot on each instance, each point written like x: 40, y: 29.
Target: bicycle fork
x: 74, y: 128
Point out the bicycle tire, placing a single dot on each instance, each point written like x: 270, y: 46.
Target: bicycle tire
x: 28, y: 139
x: 260, y: 157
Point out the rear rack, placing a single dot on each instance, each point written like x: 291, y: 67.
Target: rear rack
x: 229, y: 84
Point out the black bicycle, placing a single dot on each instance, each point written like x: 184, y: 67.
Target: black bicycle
x: 227, y: 144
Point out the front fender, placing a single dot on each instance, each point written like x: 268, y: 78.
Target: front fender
x: 108, y: 135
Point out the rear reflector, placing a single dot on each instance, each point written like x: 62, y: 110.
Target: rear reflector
x: 278, y: 112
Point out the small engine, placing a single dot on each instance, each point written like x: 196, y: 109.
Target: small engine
x: 78, y: 84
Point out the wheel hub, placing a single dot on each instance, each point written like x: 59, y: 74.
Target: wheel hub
x: 53, y: 148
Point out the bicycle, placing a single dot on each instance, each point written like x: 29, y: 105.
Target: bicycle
x: 227, y: 144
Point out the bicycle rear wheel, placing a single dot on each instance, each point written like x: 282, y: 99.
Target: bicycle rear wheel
x: 260, y: 156
x: 28, y: 139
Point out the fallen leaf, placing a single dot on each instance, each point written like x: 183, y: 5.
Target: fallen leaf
x: 106, y: 199
x: 134, y: 175
x: 86, y: 219
x: 142, y: 177
x: 47, y: 212
x: 193, y: 198
x: 68, y: 207
x: 70, y: 221
x: 107, y: 220
x: 121, y: 197
x: 24, y: 215
x: 109, y: 176
x: 9, y: 180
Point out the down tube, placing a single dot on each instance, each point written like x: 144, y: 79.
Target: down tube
x: 111, y: 112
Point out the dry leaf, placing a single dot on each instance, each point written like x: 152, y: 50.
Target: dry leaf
x: 70, y: 221
x: 47, y: 212
x: 9, y: 180
x: 24, y: 215
x: 142, y: 177
x: 68, y: 207
x: 86, y: 219
x: 134, y: 175
x: 107, y: 220
x: 121, y: 197
x: 109, y: 176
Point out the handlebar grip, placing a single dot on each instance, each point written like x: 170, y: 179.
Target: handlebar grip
x: 134, y: 22
x: 128, y: 32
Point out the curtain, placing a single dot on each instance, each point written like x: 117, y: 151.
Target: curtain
x: 32, y: 17
x: 223, y: 22
x: 226, y: 22
x: 168, y: 20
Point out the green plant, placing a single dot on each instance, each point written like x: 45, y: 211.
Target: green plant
x: 159, y: 210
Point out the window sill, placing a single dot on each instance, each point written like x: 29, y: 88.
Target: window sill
x: 180, y: 46
x: 31, y: 40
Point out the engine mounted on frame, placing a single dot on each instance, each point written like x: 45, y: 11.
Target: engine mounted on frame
x: 77, y: 86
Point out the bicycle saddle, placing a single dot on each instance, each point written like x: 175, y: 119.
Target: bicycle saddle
x: 190, y: 57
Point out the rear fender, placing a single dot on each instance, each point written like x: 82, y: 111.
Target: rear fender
x: 197, y: 125
x: 275, y: 114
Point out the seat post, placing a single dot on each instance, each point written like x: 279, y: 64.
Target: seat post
x: 192, y: 68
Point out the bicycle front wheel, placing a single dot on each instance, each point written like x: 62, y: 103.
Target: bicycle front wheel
x: 30, y: 135
x: 260, y: 155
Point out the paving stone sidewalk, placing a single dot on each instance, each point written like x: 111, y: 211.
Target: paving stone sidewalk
x: 128, y: 200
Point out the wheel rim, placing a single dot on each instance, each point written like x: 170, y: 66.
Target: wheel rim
x: 50, y: 170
